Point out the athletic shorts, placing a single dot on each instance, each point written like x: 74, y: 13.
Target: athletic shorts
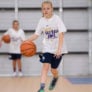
x: 51, y: 59
x: 14, y: 56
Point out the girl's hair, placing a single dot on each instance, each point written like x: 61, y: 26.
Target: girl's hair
x: 47, y: 2
x: 15, y: 21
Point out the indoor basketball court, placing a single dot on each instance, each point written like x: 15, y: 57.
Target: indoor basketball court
x: 75, y: 69
x: 31, y: 84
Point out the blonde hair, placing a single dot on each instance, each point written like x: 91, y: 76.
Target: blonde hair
x: 47, y: 2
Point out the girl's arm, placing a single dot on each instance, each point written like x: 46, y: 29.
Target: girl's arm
x: 33, y: 37
x: 61, y: 36
x: 59, y: 52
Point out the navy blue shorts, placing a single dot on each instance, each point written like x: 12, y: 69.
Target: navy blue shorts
x: 15, y: 56
x: 51, y: 59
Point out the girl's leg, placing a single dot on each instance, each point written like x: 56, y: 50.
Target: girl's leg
x: 14, y: 68
x: 44, y: 73
x: 54, y: 80
x: 14, y: 65
x: 54, y: 72
x: 19, y: 65
x: 54, y: 65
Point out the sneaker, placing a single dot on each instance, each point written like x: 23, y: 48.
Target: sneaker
x: 53, y: 83
x: 20, y: 74
x: 14, y: 74
x: 41, y: 90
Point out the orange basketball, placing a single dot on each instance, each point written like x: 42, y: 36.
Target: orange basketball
x: 28, y: 48
x: 6, y: 38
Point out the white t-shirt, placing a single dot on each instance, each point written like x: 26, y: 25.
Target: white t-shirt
x: 16, y: 39
x: 51, y: 29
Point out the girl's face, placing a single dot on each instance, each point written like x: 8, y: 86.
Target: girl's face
x: 16, y: 25
x: 47, y: 10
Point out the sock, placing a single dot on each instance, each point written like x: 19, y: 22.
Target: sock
x: 54, y: 81
x: 42, y: 86
x: 55, y: 78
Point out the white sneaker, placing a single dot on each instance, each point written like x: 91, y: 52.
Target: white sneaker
x: 14, y: 74
x: 20, y: 74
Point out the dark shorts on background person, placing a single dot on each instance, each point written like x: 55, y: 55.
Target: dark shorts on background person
x: 14, y: 56
x: 51, y: 59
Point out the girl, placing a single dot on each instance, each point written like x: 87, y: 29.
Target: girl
x: 52, y: 28
x: 16, y: 37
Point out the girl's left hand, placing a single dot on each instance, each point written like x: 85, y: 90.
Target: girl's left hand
x: 58, y: 54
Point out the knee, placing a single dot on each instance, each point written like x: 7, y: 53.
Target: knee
x: 54, y: 71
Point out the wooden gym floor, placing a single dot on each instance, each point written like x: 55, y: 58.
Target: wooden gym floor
x: 31, y: 84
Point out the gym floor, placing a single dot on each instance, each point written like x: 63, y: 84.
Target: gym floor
x: 31, y: 84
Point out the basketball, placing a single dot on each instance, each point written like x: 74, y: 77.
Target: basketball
x: 6, y: 38
x: 28, y: 48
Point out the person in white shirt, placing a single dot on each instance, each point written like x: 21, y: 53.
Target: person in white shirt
x: 17, y: 36
x: 52, y: 28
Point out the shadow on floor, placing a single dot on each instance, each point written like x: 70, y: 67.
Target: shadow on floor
x: 80, y: 80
